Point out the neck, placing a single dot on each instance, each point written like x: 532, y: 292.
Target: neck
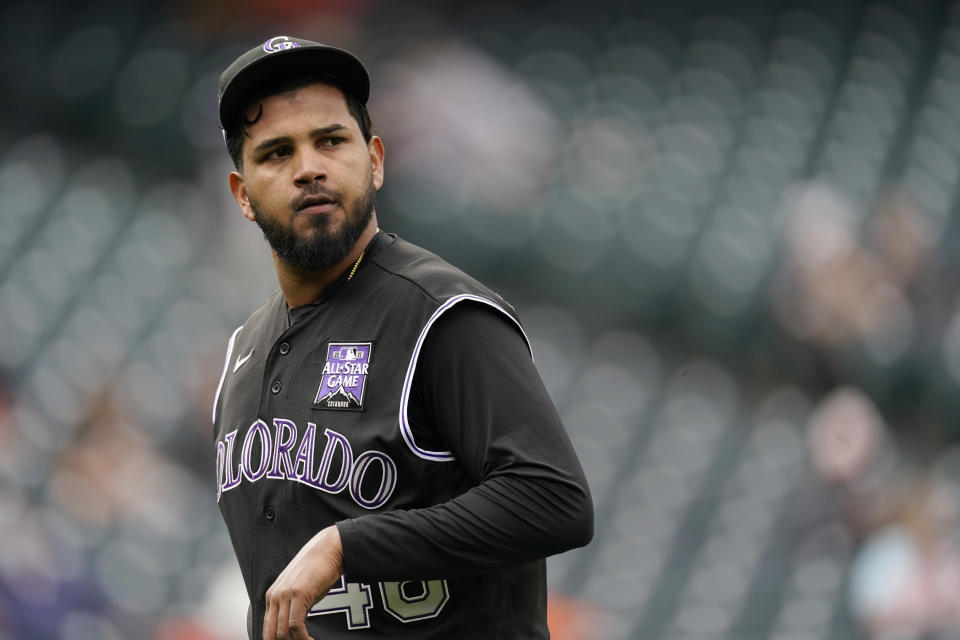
x: 301, y: 287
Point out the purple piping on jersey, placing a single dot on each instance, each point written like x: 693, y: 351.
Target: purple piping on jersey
x: 405, y: 430
x: 226, y: 365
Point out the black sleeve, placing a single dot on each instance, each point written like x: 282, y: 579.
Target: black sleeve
x: 478, y: 383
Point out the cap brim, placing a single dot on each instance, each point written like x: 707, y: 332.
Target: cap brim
x: 334, y: 64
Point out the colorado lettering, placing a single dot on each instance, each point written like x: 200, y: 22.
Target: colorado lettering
x: 278, y: 454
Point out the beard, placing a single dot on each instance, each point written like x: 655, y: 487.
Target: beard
x: 322, y: 247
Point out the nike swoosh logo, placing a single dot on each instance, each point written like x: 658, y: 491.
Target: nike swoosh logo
x: 242, y: 361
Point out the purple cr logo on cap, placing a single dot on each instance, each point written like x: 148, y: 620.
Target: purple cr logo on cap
x: 279, y: 43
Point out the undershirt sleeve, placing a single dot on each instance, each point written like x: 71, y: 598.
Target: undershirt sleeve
x: 477, y: 388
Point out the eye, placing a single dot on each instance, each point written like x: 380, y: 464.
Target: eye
x: 279, y: 152
x: 331, y: 141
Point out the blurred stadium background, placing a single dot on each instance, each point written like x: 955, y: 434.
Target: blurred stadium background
x: 729, y: 227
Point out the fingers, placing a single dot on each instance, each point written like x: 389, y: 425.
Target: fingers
x: 296, y: 619
x: 270, y: 617
x: 285, y: 617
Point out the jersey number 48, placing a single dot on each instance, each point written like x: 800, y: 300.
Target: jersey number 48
x: 408, y: 601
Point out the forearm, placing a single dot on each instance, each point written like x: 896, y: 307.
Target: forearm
x: 505, y: 521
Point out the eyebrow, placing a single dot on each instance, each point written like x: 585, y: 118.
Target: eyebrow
x: 316, y: 133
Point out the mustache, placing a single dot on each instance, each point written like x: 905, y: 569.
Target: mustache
x: 313, y: 195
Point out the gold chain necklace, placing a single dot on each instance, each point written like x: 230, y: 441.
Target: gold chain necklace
x: 356, y: 264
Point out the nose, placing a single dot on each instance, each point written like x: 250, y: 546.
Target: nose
x: 311, y: 168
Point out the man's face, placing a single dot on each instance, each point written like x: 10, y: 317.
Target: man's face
x: 309, y: 178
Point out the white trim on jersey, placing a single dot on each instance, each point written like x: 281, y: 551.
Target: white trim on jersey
x: 226, y: 365
x: 406, y: 431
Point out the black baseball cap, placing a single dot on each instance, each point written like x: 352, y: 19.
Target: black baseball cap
x: 284, y: 56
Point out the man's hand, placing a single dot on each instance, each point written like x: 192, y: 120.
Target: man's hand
x: 308, y: 577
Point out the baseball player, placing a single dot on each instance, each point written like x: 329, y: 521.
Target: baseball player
x: 388, y: 461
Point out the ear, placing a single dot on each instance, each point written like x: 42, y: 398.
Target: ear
x: 375, y: 147
x: 239, y: 190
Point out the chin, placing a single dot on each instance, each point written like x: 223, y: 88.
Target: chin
x: 320, y: 222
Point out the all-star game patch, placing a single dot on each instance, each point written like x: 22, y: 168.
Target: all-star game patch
x: 344, y: 376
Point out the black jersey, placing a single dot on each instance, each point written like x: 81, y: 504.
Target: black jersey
x: 313, y: 427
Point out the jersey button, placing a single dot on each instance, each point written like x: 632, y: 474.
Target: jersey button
x: 269, y: 513
x: 284, y: 348
x: 276, y: 386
